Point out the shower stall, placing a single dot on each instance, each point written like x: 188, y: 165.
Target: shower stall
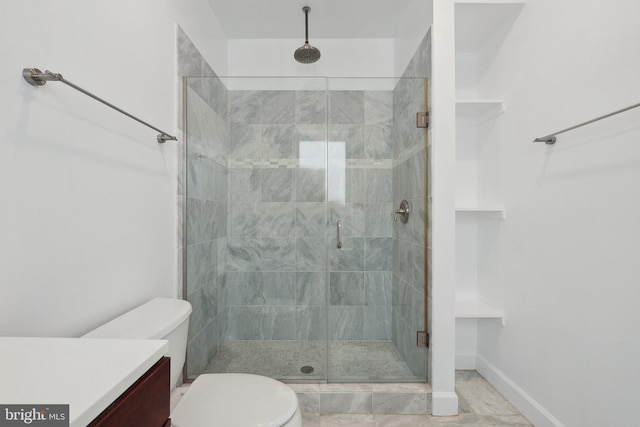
x: 296, y: 263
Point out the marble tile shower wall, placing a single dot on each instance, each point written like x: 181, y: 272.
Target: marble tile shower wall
x: 204, y: 190
x: 409, y: 240
x: 279, y: 221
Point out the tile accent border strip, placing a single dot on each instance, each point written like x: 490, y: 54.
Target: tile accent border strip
x: 295, y: 163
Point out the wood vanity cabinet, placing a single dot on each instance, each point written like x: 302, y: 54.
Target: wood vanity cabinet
x: 144, y: 404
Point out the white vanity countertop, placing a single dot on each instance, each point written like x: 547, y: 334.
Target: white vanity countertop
x: 88, y: 374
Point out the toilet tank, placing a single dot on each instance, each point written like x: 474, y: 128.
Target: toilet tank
x: 160, y: 318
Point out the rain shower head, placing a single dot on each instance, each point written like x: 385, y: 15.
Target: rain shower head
x: 306, y: 54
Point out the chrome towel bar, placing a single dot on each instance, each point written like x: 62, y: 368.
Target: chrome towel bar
x: 551, y: 138
x: 35, y: 77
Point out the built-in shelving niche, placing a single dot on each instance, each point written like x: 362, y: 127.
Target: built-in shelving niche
x: 481, y: 28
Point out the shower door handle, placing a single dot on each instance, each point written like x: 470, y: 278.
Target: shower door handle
x: 339, y: 225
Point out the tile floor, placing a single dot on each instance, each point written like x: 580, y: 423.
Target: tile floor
x: 480, y: 406
x: 350, y: 361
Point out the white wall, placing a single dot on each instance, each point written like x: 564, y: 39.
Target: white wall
x: 417, y: 20
x: 443, y: 135
x: 88, y: 222
x: 340, y: 57
x: 569, y: 246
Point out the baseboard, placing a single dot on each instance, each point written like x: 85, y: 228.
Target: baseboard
x: 444, y: 404
x: 531, y: 409
x: 466, y: 361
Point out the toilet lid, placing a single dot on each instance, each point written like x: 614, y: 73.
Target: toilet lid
x: 235, y: 400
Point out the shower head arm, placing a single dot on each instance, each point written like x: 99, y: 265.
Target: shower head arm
x: 306, y: 10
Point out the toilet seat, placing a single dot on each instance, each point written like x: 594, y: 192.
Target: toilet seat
x: 235, y: 400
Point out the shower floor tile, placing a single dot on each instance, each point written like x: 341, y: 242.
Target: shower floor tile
x: 349, y: 361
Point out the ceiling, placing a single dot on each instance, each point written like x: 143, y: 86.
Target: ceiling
x: 284, y: 19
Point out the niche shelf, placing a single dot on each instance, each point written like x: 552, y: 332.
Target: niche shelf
x: 482, y: 212
x: 472, y: 309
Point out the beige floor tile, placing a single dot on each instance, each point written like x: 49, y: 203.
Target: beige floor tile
x: 477, y: 396
x: 176, y: 395
x: 475, y: 420
x: 310, y: 420
x: 342, y: 420
x: 402, y: 421
x: 466, y: 375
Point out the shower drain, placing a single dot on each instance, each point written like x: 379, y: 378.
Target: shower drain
x: 306, y: 369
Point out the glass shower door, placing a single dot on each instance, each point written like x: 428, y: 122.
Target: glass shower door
x: 255, y: 226
x: 376, y: 158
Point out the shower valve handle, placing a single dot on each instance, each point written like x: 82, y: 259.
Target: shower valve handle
x: 403, y: 212
x: 398, y: 212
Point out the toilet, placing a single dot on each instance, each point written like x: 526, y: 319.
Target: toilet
x: 230, y: 400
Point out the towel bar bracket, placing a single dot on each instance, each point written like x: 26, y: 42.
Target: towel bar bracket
x: 35, y: 77
x: 549, y: 140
